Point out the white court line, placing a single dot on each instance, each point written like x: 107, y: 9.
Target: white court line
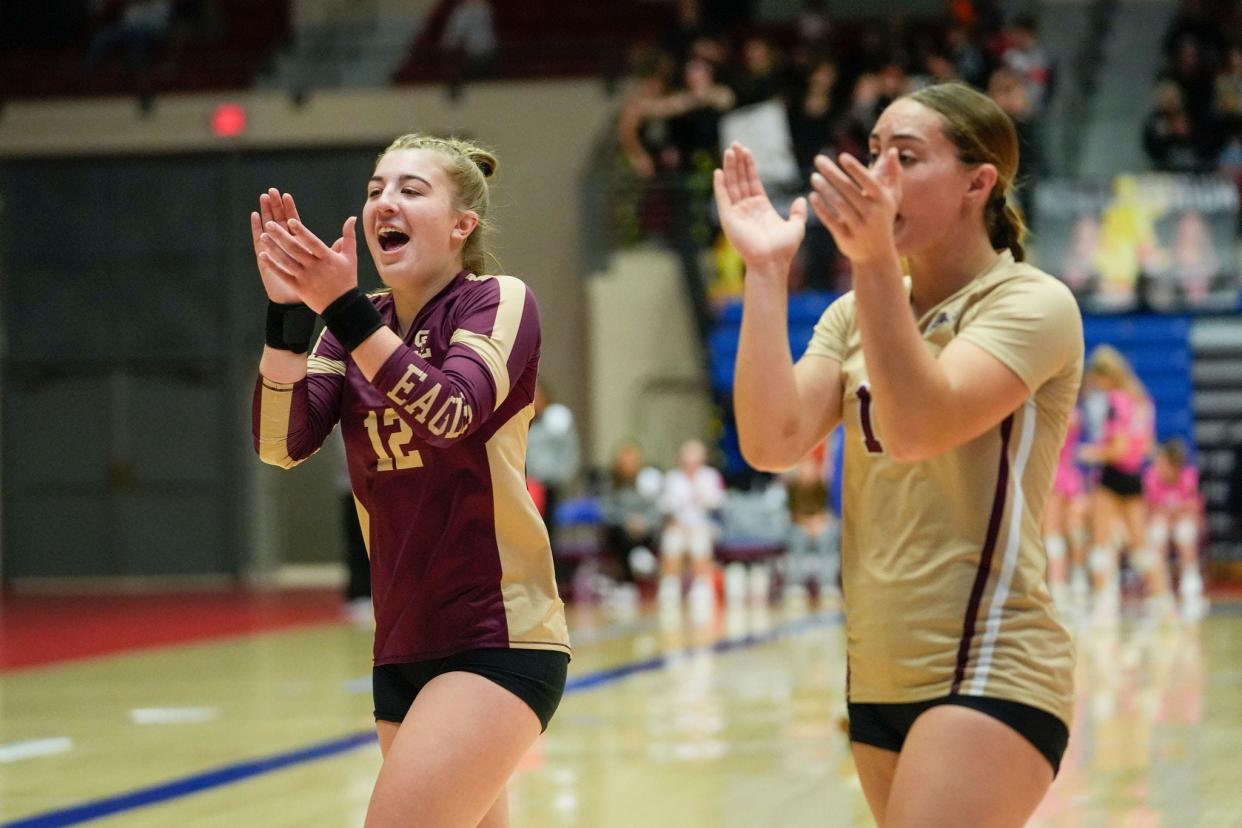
x: 17, y: 751
x: 173, y: 715
x: 360, y: 685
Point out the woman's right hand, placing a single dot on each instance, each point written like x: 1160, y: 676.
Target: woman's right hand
x: 761, y: 237
x: 273, y: 206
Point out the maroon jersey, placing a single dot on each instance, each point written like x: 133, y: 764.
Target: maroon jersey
x: 460, y: 558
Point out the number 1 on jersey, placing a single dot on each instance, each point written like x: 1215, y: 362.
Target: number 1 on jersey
x: 864, y: 415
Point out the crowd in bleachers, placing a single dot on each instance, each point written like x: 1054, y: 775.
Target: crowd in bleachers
x: 143, y: 47
x: 828, y: 80
x: 1195, y: 124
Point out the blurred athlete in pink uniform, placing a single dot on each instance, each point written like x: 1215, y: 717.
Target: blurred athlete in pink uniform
x: 1171, y: 486
x: 1065, y: 521
x: 1124, y: 445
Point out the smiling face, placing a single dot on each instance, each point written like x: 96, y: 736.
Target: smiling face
x: 413, y: 226
x: 938, y: 191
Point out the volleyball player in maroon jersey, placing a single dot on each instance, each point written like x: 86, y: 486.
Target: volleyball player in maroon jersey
x: 432, y: 381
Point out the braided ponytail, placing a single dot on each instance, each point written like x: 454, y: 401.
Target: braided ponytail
x: 1006, y: 229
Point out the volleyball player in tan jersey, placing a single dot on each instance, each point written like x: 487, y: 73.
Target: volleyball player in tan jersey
x: 955, y: 386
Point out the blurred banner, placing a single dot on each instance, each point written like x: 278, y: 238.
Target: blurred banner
x: 1160, y: 242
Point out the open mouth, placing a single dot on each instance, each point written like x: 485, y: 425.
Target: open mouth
x: 391, y: 239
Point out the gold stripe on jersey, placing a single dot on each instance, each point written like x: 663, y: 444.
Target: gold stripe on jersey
x: 275, y: 404
x: 364, y: 523
x: 494, y: 350
x: 323, y: 365
x: 533, y: 610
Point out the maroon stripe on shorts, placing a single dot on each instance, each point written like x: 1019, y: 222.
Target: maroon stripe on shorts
x: 985, y: 557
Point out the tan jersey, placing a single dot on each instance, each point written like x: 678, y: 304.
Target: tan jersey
x: 942, y: 559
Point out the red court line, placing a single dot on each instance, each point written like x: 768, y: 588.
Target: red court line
x: 46, y: 629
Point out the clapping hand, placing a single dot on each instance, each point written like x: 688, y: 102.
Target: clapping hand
x: 273, y: 207
x: 299, y: 263
x: 858, y: 205
x: 756, y: 230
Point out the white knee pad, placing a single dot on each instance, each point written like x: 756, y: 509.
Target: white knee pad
x: 1144, y: 559
x: 1056, y: 546
x: 1100, y: 559
x: 1186, y: 532
x: 1158, y: 533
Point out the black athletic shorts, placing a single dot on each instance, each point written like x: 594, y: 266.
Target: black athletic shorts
x: 537, y: 677
x: 886, y: 725
x: 1122, y: 484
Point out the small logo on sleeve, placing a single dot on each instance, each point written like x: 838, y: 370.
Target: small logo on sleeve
x: 942, y: 318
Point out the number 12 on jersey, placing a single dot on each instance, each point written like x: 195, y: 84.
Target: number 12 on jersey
x: 396, y: 457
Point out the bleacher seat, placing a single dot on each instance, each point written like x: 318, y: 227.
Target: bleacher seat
x: 230, y: 59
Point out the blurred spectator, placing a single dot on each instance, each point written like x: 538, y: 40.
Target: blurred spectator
x: 687, y: 29
x: 641, y: 137
x: 1195, y: 21
x: 552, y: 450
x: 812, y: 553
x: 468, y: 43
x: 937, y: 68
x: 693, y: 115
x: 760, y: 78
x: 969, y: 60
x: 1227, y: 100
x: 631, y: 501
x: 142, y: 26
x: 814, y: 27
x: 1026, y: 56
x: 692, y: 493
x: 872, y: 93
x: 813, y: 115
x: 1171, y: 139
x: 894, y: 82
x: 1195, y: 80
x: 1007, y: 88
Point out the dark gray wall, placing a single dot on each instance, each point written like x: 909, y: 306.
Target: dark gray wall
x: 134, y: 321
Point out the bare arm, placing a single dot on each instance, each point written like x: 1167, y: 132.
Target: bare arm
x: 782, y: 409
x: 925, y: 405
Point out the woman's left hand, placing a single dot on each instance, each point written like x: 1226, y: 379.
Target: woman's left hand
x: 858, y: 205
x: 317, y: 273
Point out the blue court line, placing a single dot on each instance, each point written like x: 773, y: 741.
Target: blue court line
x: 108, y: 806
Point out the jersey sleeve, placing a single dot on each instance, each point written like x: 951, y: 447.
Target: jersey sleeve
x: 1032, y: 326
x: 290, y: 420
x: 832, y: 330
x: 496, y: 335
